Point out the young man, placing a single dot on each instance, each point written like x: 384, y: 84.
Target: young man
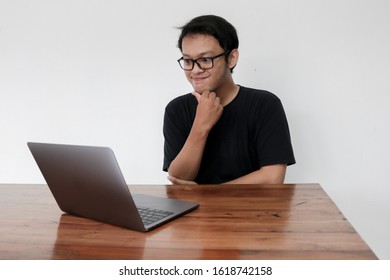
x: 222, y: 132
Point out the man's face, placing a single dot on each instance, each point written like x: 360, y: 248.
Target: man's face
x: 198, y: 46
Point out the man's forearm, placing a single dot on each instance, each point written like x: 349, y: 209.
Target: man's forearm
x: 187, y: 163
x: 272, y: 174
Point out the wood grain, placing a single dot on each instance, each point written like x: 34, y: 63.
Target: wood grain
x: 233, y: 222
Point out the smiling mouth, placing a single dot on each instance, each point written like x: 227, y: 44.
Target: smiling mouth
x: 199, y: 79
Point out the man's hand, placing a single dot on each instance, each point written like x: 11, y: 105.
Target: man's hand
x: 176, y: 181
x: 209, y: 110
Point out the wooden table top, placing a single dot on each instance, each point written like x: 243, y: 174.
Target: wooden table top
x: 233, y: 222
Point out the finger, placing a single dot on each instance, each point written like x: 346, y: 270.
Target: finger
x: 176, y: 181
x: 212, y: 95
x: 206, y: 93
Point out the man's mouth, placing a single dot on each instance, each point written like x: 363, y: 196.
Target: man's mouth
x: 198, y: 79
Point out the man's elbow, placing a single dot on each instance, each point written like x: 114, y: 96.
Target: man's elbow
x: 276, y: 180
x: 180, y: 175
x: 275, y: 174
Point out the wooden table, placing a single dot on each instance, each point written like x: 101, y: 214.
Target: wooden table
x: 233, y: 222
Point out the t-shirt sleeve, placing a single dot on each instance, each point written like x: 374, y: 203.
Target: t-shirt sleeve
x: 273, y: 136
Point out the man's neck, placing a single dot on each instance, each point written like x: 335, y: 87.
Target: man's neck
x: 227, y: 93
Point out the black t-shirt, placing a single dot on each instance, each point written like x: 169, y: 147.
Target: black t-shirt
x: 252, y: 132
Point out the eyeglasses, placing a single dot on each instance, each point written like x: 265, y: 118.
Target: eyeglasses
x: 203, y: 63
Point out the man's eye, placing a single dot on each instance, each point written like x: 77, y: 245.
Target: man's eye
x: 205, y: 60
x: 187, y: 61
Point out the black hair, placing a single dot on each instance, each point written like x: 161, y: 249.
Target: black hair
x: 212, y: 25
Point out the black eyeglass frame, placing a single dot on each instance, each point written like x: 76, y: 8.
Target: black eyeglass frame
x: 200, y: 58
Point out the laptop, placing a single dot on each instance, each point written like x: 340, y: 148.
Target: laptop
x: 86, y: 181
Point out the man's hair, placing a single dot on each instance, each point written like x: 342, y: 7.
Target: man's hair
x: 212, y: 25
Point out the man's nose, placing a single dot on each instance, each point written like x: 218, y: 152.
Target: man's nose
x: 196, y: 68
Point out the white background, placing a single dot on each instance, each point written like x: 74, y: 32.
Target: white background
x: 101, y: 72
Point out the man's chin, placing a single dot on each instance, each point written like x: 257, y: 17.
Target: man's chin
x: 201, y: 89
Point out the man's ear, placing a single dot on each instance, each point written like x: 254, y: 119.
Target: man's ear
x: 233, y: 58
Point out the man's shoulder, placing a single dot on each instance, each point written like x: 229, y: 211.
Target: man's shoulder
x: 181, y: 100
x: 182, y: 105
x: 257, y: 95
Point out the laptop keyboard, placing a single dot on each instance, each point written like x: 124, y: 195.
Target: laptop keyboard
x: 150, y: 215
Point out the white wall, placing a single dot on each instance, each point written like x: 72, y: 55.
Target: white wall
x: 101, y: 72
